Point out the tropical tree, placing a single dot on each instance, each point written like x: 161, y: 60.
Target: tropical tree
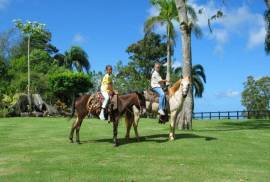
x: 198, y: 78
x: 75, y: 57
x: 29, y: 29
x: 68, y: 84
x: 167, y: 16
x: 256, y: 94
x: 187, y: 25
x: 143, y: 54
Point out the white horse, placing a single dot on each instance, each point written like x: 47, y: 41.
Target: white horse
x: 176, y: 94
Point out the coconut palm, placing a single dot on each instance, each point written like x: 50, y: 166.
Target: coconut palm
x: 198, y: 78
x: 167, y: 15
x: 187, y: 23
x: 75, y: 57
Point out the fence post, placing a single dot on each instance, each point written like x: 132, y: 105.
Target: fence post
x: 210, y: 115
x: 202, y: 115
x: 219, y: 115
x: 229, y: 115
x: 237, y: 114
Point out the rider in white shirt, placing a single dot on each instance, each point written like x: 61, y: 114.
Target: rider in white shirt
x: 156, y: 82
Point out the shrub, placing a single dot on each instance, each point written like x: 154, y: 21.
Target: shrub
x: 66, y: 85
x: 4, y: 112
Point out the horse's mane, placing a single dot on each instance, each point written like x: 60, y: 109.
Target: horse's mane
x: 174, y: 88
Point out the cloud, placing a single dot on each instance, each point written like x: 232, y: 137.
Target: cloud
x: 78, y: 39
x: 176, y: 64
x: 4, y: 4
x: 240, y: 22
x: 153, y: 11
x: 256, y: 38
x: 237, y: 22
x: 228, y: 94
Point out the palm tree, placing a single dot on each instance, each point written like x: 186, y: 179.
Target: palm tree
x: 168, y: 13
x: 187, y: 23
x: 198, y: 79
x: 75, y: 57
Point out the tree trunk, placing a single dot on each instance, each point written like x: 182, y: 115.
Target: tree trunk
x: 185, y: 116
x: 169, y: 61
x: 28, y: 86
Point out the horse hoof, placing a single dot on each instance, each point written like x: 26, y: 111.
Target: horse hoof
x: 78, y: 142
x: 171, y: 139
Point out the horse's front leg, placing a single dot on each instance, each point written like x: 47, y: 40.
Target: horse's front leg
x: 128, y: 126
x: 172, y: 126
x: 115, y: 130
x: 136, y: 122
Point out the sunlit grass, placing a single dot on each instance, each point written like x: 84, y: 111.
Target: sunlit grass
x: 37, y: 149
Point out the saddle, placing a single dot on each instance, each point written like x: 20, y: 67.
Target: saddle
x: 154, y: 97
x: 95, y: 101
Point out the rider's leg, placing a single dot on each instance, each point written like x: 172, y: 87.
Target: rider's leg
x: 161, y: 99
x: 104, y: 104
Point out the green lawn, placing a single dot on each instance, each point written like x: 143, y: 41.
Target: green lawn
x: 38, y: 149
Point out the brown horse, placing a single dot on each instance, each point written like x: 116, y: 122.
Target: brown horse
x: 124, y: 103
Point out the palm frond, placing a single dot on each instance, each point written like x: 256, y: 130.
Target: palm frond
x: 198, y: 86
x: 199, y: 70
x: 79, y: 58
x: 151, y: 22
x: 197, y: 31
x: 192, y: 13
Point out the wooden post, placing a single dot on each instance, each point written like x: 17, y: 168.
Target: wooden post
x: 229, y: 115
x: 219, y: 115
x: 202, y: 115
x: 237, y: 113
x: 210, y: 115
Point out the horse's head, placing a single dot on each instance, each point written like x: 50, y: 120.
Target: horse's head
x: 185, y: 85
x: 142, y: 102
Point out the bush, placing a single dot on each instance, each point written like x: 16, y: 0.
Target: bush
x: 66, y: 85
x: 4, y: 112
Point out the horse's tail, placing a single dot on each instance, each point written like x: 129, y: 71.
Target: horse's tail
x: 129, y: 117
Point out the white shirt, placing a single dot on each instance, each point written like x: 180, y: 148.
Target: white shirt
x: 155, y: 79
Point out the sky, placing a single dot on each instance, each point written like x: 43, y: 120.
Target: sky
x: 106, y: 28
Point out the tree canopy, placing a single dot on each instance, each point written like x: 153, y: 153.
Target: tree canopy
x: 256, y: 94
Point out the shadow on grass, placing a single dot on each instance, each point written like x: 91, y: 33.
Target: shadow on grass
x: 158, y: 138
x: 241, y: 125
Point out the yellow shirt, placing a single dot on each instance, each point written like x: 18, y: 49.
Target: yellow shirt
x: 105, y: 82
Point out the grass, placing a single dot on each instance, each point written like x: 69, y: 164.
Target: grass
x: 37, y: 149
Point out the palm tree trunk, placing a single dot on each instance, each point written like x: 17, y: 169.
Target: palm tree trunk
x: 185, y: 116
x: 28, y: 86
x: 169, y: 61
